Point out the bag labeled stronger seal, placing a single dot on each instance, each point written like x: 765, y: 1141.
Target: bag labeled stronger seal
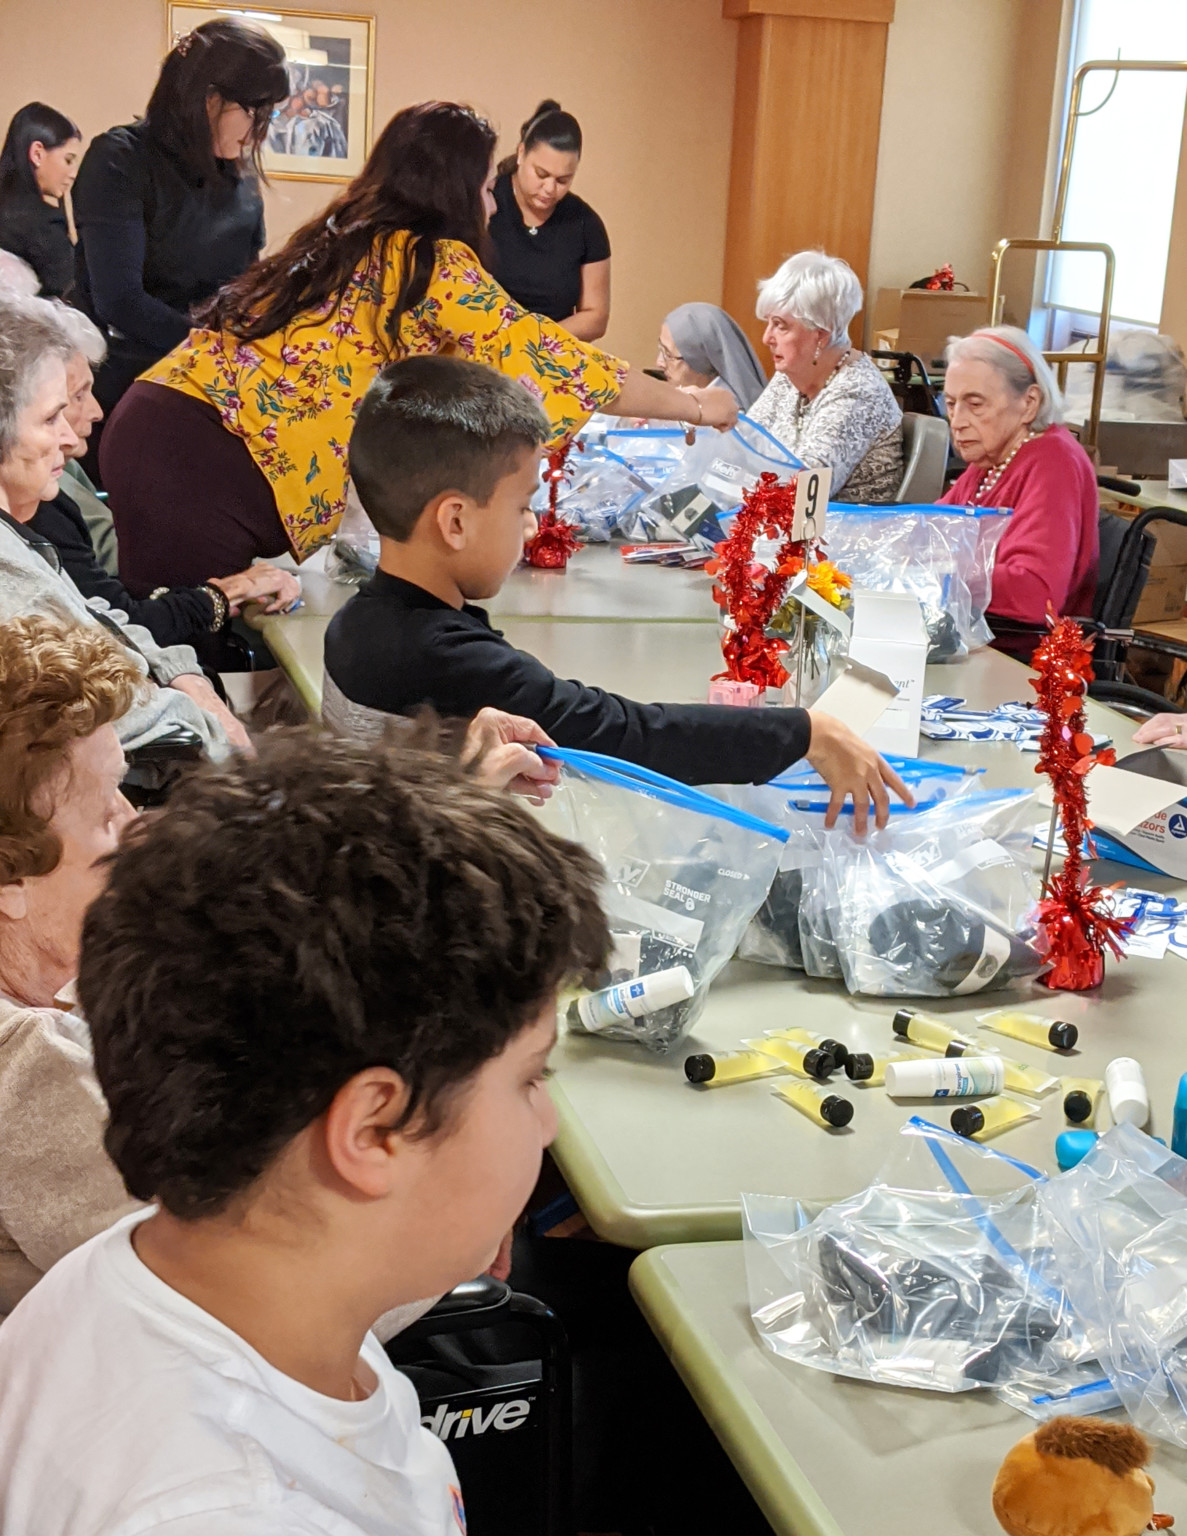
x: 710, y: 480
x: 685, y: 873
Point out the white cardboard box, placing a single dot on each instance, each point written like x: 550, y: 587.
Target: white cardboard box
x: 1161, y: 839
x: 889, y: 635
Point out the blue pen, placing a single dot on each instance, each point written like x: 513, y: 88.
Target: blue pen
x: 1179, y: 1131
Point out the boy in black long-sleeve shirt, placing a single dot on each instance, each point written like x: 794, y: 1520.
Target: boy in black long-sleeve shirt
x: 445, y: 459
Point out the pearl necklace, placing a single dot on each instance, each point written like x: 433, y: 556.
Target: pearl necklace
x: 998, y: 470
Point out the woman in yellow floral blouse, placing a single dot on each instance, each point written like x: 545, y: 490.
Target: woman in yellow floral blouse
x: 235, y: 445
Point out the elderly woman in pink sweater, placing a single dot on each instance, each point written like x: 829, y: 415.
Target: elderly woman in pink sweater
x: 1005, y: 413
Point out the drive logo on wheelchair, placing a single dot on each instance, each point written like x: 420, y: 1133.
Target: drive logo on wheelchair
x: 449, y: 1423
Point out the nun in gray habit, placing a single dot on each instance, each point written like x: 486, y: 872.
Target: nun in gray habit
x: 700, y: 344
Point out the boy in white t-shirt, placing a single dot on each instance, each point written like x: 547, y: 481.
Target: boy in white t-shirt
x: 321, y: 989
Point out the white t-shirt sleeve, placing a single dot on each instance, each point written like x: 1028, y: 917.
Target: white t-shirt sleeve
x: 240, y: 1522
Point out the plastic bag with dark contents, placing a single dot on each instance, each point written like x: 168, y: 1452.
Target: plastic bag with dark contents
x: 685, y: 873
x: 710, y: 480
x: 942, y: 555
x: 793, y: 927
x: 939, y: 903
x: 353, y: 555
x: 941, y: 1274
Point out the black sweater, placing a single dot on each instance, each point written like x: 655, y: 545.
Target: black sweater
x: 36, y: 232
x: 179, y: 617
x: 396, y: 647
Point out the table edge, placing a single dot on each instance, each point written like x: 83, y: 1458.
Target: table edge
x: 757, y: 1453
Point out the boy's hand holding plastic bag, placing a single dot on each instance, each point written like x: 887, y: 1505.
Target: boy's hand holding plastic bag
x: 850, y: 766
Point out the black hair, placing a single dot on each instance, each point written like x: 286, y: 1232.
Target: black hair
x: 33, y: 124
x: 432, y: 424
x: 241, y: 63
x: 425, y: 175
x: 547, y: 125
x: 292, y: 920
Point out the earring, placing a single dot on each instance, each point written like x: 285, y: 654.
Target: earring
x: 816, y: 359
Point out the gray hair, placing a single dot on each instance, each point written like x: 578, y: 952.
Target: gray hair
x: 999, y: 346
x: 83, y: 332
x: 31, y: 335
x: 821, y: 292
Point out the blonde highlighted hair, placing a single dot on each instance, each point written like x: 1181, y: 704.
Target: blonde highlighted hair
x: 58, y: 684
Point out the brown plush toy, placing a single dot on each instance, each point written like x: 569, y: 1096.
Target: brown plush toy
x: 1077, y: 1477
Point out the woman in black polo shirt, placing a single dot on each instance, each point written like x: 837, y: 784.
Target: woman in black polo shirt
x: 37, y: 168
x: 552, y: 252
x: 168, y: 208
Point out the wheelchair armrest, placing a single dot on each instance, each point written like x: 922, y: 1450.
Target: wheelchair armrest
x: 473, y: 1304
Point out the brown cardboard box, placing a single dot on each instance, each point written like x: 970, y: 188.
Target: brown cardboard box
x: 1165, y: 591
x: 926, y: 317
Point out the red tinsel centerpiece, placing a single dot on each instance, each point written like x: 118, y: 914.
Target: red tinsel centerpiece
x: 1075, y: 922
x: 751, y: 593
x: 555, y: 540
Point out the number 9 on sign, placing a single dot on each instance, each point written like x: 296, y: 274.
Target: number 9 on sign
x: 811, y: 502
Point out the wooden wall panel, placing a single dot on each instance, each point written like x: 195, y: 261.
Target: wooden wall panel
x: 807, y: 110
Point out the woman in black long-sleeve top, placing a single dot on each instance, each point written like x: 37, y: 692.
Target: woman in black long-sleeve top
x: 168, y: 208
x: 38, y: 164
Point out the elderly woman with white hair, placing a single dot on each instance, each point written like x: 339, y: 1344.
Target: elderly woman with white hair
x: 1005, y: 412
x: 196, y: 616
x: 827, y: 403
x: 35, y: 438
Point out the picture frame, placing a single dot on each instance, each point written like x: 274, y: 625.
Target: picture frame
x: 323, y: 131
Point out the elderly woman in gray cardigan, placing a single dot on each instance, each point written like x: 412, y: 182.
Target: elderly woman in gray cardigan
x: 35, y: 438
x: 827, y: 403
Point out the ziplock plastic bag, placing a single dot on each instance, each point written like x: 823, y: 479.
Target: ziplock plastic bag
x: 649, y: 450
x: 793, y: 926
x: 353, y: 556
x: 1119, y: 1220
x: 940, y: 1274
x: 939, y: 903
x: 599, y: 489
x: 710, y: 479
x: 941, y: 555
x: 685, y: 873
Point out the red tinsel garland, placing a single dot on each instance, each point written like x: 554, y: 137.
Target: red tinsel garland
x: 554, y: 540
x: 751, y: 594
x: 1075, y: 923
x: 943, y: 280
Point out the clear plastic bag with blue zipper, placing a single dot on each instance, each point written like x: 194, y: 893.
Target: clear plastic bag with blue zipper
x: 1119, y: 1220
x: 596, y: 495
x: 942, y: 902
x: 941, y: 1274
x: 793, y: 927
x: 709, y: 481
x: 684, y: 874
x: 942, y: 555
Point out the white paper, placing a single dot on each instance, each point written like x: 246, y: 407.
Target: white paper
x: 859, y: 697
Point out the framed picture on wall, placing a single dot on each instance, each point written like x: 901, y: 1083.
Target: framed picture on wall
x: 322, y: 132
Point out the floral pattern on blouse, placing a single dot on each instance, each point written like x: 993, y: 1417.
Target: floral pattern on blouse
x: 292, y: 396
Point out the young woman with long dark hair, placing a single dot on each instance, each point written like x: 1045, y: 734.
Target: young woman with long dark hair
x: 553, y: 253
x: 234, y: 446
x: 168, y: 208
x: 38, y: 164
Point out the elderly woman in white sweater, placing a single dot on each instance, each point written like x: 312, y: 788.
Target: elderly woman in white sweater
x: 827, y: 403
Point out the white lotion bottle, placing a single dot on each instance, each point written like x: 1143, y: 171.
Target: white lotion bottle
x: 1129, y: 1101
x: 952, y: 1077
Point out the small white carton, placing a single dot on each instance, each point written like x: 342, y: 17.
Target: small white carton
x: 889, y: 635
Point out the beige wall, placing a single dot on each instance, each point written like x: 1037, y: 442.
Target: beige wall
x: 963, y: 154
x: 651, y: 82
